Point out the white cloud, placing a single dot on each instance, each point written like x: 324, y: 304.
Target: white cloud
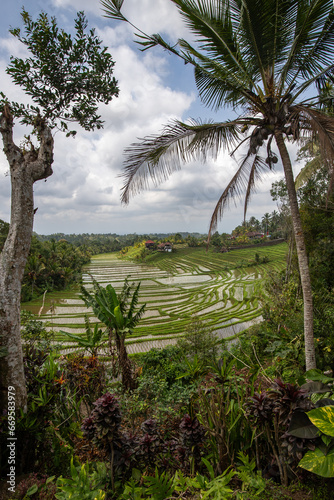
x: 13, y: 47
x: 151, y: 16
x: 83, y: 194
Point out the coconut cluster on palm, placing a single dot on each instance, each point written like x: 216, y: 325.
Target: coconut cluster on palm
x: 263, y: 58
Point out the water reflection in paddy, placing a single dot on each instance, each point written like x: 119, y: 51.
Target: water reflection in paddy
x: 170, y: 298
x: 184, y: 279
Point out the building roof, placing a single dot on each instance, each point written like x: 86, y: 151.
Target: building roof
x: 251, y: 234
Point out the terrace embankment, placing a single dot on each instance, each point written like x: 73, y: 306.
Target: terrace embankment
x: 222, y: 289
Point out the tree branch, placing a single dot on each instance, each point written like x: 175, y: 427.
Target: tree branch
x: 41, y: 169
x: 11, y: 150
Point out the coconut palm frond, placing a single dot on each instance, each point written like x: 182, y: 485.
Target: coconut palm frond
x: 149, y: 41
x: 258, y: 51
x: 255, y: 174
x: 322, y: 127
x: 212, y: 23
x: 217, y: 65
x: 317, y: 41
x: 244, y: 178
x: 312, y: 80
x: 112, y: 9
x: 308, y: 171
x: 157, y: 156
x: 310, y: 23
x: 221, y: 88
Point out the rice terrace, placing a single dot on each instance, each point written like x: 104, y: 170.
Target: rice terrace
x: 223, y: 289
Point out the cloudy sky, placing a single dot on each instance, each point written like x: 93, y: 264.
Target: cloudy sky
x: 83, y: 194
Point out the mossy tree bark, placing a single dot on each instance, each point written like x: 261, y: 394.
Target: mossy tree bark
x: 26, y: 167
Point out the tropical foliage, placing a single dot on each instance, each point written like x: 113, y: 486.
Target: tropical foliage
x: 65, y: 79
x: 205, y: 418
x: 52, y: 266
x: 259, y: 58
x: 120, y: 315
x: 233, y: 430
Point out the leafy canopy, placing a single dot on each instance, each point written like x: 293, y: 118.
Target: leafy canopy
x: 66, y: 77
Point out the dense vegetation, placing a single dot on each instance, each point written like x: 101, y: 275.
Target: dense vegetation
x: 50, y: 265
x: 103, y: 243
x: 204, y: 418
x: 201, y: 422
x: 55, y: 261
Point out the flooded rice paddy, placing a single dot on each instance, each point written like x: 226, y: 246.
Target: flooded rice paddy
x: 227, y: 300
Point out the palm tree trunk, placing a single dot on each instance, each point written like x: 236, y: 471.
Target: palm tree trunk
x: 114, y: 369
x: 301, y: 253
x: 128, y: 382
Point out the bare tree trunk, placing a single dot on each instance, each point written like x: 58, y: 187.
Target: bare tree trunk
x: 26, y: 167
x: 301, y: 253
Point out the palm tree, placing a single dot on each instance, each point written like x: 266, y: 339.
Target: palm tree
x: 265, y: 223
x: 120, y: 315
x: 262, y: 57
x: 310, y: 149
x: 33, y: 269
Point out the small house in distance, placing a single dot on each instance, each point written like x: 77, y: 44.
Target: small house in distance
x: 254, y: 235
x: 165, y: 247
x: 150, y: 244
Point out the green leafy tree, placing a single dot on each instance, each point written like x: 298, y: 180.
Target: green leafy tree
x: 216, y: 240
x: 254, y: 224
x: 260, y: 57
x: 4, y: 228
x: 120, y: 314
x: 66, y: 78
x: 240, y: 230
x: 192, y: 241
x: 178, y: 238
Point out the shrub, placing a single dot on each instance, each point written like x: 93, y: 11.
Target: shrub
x: 271, y: 412
x: 86, y: 376
x: 36, y: 486
x: 166, y: 364
x: 199, y: 340
x: 87, y: 482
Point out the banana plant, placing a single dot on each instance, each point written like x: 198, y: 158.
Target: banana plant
x: 120, y: 314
